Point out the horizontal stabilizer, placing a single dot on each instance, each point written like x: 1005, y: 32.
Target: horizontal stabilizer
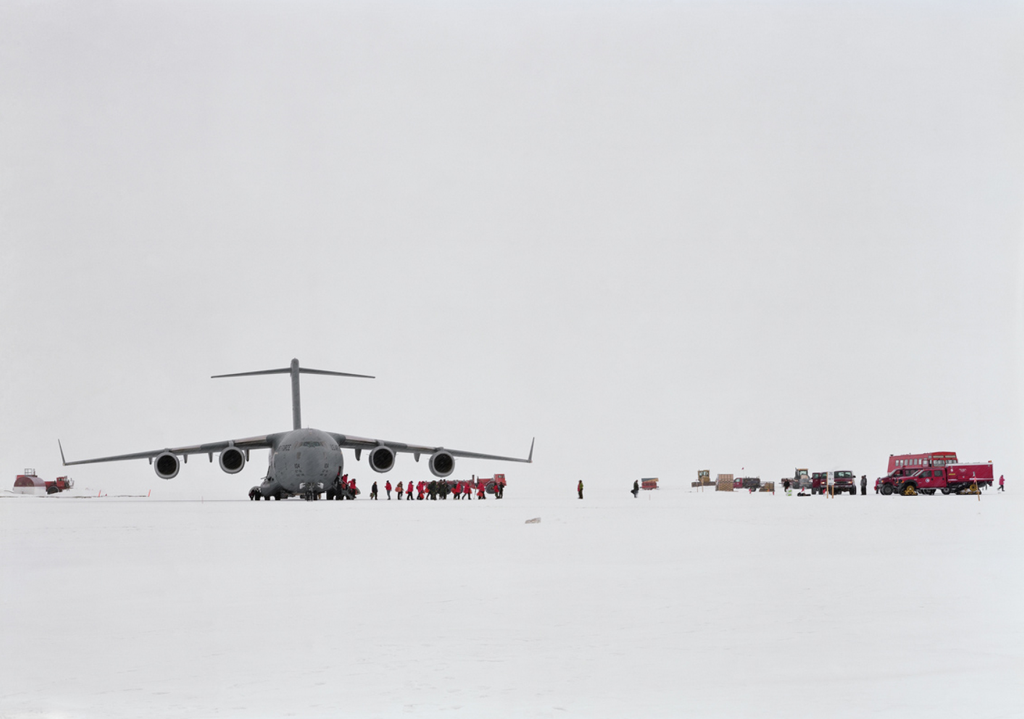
x: 294, y: 370
x: 288, y: 370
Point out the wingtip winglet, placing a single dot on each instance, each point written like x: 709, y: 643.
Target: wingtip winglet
x: 62, y: 462
x: 529, y: 460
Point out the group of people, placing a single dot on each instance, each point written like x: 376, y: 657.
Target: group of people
x: 440, y: 489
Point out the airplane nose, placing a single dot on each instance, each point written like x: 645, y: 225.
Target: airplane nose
x: 309, y: 466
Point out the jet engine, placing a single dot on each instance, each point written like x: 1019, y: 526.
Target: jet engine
x: 232, y: 460
x: 166, y: 465
x: 382, y: 459
x: 442, y: 464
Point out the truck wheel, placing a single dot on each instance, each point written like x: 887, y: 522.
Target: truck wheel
x: 886, y: 489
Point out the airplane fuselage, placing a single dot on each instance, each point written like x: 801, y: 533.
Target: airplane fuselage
x: 302, y: 461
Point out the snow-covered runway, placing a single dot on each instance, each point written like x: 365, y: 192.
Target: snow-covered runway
x: 675, y: 604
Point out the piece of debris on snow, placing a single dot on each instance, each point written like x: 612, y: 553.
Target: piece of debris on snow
x: 535, y: 520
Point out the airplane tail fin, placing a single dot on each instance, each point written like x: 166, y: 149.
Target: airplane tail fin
x: 294, y: 370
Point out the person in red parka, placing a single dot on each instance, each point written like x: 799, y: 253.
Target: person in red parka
x: 1001, y: 480
x: 408, y: 491
x: 387, y: 488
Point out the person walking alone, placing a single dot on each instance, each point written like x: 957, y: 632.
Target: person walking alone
x: 373, y: 490
x: 579, y: 489
x: 636, y: 488
x: 1001, y: 481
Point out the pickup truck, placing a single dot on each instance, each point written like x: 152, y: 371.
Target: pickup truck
x: 948, y: 479
x: 843, y: 481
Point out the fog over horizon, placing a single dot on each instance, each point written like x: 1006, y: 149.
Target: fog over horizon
x: 659, y: 237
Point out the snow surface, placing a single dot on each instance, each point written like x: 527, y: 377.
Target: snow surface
x: 678, y: 603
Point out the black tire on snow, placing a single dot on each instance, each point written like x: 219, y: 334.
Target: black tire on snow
x: 886, y: 489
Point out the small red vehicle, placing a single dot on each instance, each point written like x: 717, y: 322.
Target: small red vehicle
x: 750, y: 483
x: 28, y: 482
x: 490, y: 484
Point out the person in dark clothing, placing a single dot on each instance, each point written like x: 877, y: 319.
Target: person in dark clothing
x: 579, y: 489
x: 863, y: 485
x: 500, y: 490
x: 432, y: 489
x: 785, y: 484
x: 636, y: 488
x: 373, y: 490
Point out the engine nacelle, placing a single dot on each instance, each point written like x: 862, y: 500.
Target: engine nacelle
x: 442, y: 464
x: 382, y: 459
x: 166, y: 465
x: 232, y: 460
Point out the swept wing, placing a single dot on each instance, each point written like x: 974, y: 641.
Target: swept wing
x: 262, y: 442
x: 364, y: 443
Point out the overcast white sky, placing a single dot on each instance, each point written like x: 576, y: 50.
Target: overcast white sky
x: 661, y: 237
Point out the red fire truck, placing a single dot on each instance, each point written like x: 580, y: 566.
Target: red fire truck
x: 926, y: 473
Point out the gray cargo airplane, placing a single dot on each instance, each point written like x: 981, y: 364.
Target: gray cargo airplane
x: 303, y: 462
